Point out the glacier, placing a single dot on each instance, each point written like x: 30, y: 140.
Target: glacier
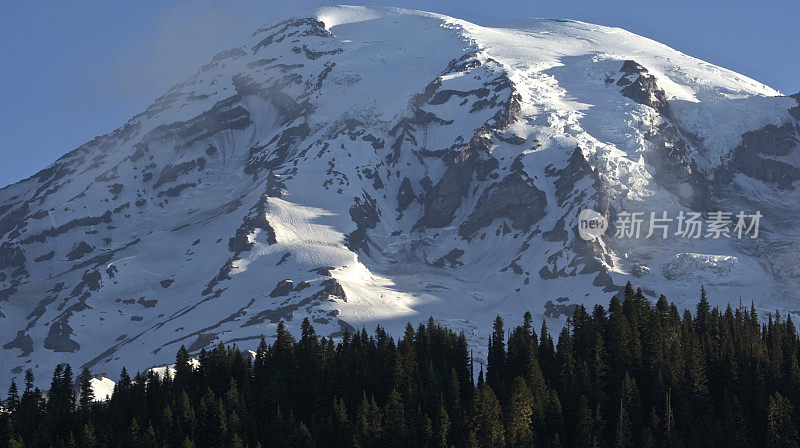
x: 376, y: 166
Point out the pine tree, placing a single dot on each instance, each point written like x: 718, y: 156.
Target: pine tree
x: 85, y: 389
x: 522, y: 350
x: 546, y: 352
x: 302, y: 438
x: 520, y: 415
x: 339, y: 425
x: 781, y: 430
x: 585, y: 434
x: 236, y: 441
x: 486, y: 422
x: 496, y: 360
x: 395, y: 421
x: 186, y: 415
x: 13, y: 396
x: 182, y: 368
x: 628, y: 420
x: 368, y: 422
x: 441, y: 428
x: 554, y: 420
x: 703, y: 312
x: 406, y: 360
x: 720, y: 380
x: 87, y: 438
x: 133, y: 437
x: 148, y: 439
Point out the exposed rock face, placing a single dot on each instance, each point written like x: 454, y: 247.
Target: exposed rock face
x: 669, y: 152
x: 640, y: 86
x: 514, y: 197
x: 331, y: 288
x: 79, y: 251
x: 450, y: 259
x: 759, y: 156
x: 639, y: 271
x: 445, y: 198
x: 674, y: 169
x: 23, y: 342
x: 11, y: 257
x: 283, y: 288
x: 256, y: 220
x: 795, y: 111
x: 58, y: 338
x: 474, y: 158
x: 577, y: 169
x: 405, y: 195
x: 578, y: 256
x: 556, y: 310
x: 365, y: 215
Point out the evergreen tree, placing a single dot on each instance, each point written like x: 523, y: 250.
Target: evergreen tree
x: 302, y: 438
x: 85, y: 389
x: 638, y: 375
x: 486, y: 422
x: 496, y: 361
x: 520, y: 415
x: 441, y: 428
x: 182, y: 369
x: 13, y: 396
x: 395, y: 421
x: 781, y: 430
x: 87, y: 438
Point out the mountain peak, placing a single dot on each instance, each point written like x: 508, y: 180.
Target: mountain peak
x: 362, y: 166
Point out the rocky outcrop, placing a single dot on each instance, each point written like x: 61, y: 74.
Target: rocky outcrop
x: 556, y: 310
x: 262, y: 159
x: 639, y: 271
x: 331, y: 288
x: 577, y: 168
x: 283, y: 288
x: 674, y: 169
x: 365, y: 215
x: 473, y: 159
x: 255, y: 220
x: 23, y: 341
x: 58, y: 338
x: 515, y: 197
x: 640, y: 86
x: 758, y: 157
x: 11, y: 257
x: 171, y: 173
x: 445, y: 198
x: 79, y: 251
x: 450, y: 259
x: 795, y: 111
x: 578, y: 185
x: 298, y: 27
x: 225, y: 115
x: 405, y: 195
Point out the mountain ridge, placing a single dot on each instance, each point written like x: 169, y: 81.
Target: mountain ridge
x: 364, y: 166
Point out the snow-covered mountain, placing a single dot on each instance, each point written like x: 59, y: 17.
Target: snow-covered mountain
x: 360, y: 166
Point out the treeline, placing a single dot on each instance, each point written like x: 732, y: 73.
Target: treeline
x: 634, y: 375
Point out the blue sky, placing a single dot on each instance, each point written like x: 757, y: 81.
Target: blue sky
x: 74, y: 70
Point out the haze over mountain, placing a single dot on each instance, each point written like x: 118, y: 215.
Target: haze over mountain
x: 364, y: 166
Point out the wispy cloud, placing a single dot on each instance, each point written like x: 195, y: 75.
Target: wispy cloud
x: 184, y: 37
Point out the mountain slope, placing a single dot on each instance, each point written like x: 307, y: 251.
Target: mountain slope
x: 360, y: 166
